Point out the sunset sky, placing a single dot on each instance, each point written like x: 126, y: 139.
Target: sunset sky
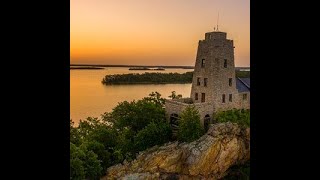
x: 154, y: 32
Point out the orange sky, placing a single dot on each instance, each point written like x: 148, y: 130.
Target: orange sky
x: 153, y: 32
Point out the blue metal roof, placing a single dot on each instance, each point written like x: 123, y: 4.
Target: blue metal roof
x: 243, y: 84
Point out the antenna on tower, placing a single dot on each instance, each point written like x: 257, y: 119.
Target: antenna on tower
x: 218, y: 22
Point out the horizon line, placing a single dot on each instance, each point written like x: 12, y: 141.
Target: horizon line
x: 128, y: 65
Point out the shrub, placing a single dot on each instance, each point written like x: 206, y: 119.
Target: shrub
x: 240, y: 116
x: 190, y: 128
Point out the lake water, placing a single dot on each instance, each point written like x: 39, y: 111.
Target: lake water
x: 90, y: 98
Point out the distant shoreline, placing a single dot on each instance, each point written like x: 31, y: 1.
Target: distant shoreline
x: 131, y: 66
x: 85, y: 68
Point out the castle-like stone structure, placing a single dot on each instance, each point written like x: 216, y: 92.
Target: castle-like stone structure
x: 214, y: 85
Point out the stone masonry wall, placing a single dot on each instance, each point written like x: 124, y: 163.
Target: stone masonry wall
x: 244, y: 104
x: 175, y: 107
x: 215, y: 49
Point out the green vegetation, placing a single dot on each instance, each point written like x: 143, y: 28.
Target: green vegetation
x: 240, y: 116
x: 96, y: 144
x: 148, y: 78
x: 174, y: 95
x: 190, y: 128
x: 153, y: 134
x: 157, y: 78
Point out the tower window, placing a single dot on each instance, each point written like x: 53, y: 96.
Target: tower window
x: 203, y: 97
x: 230, y: 81
x: 244, y: 97
x: 230, y: 97
x: 225, y: 63
x: 205, y: 81
x: 196, y: 96
x: 198, y: 81
x: 223, y: 98
x: 203, y: 62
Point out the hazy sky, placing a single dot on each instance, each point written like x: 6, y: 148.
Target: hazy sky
x: 154, y: 32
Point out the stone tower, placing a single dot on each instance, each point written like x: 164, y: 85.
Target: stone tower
x: 214, y: 81
x: 214, y: 85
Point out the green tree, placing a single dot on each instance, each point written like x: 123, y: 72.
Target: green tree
x: 74, y: 134
x: 125, y: 145
x: 104, y: 135
x: 92, y: 165
x: 136, y: 115
x: 153, y: 134
x: 175, y: 96
x: 155, y: 97
x: 190, y: 128
x: 85, y: 127
x: 103, y: 155
x: 83, y: 163
x: 77, y: 170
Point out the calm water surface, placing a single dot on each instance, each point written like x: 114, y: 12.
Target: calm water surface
x: 89, y: 97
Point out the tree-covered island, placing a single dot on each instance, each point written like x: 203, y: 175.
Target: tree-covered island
x: 157, y: 78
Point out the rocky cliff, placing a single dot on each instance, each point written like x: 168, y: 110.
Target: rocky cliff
x: 209, y: 157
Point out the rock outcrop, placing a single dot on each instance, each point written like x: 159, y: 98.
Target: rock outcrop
x: 209, y: 157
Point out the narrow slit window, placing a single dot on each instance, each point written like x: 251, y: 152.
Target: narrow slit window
x: 205, y: 81
x: 230, y: 81
x: 225, y: 64
x: 198, y: 81
x: 203, y: 97
x: 230, y: 97
x: 203, y: 63
x: 223, y: 98
x: 196, y: 96
x: 244, y: 97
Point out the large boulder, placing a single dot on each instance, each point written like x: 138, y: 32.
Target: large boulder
x: 209, y: 157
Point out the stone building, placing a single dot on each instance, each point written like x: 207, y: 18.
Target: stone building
x: 214, y: 85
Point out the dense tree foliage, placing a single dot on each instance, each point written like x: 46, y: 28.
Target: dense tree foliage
x: 84, y: 163
x: 190, y: 128
x: 76, y: 163
x: 148, y: 78
x: 240, y: 116
x: 153, y: 134
x: 157, y: 78
x: 98, y: 143
x: 136, y: 115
